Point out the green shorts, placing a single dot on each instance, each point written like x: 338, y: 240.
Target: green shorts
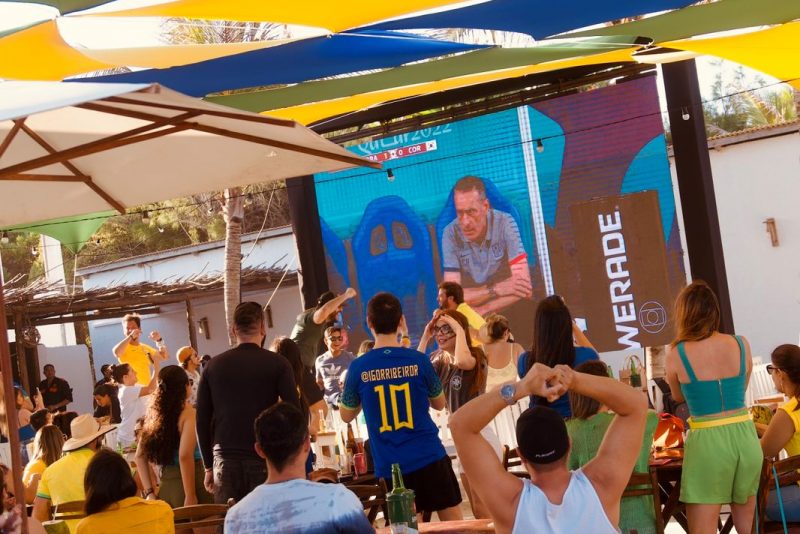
x: 721, y: 464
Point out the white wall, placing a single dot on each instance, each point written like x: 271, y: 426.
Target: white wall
x: 754, y: 181
x: 72, y: 364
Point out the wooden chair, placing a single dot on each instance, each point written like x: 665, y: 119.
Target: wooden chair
x: 69, y: 510
x: 512, y: 463
x: 641, y: 484
x: 201, y: 515
x: 373, y: 499
x: 787, y: 475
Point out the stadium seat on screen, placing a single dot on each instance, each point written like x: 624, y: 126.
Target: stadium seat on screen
x: 392, y: 251
x: 338, y: 271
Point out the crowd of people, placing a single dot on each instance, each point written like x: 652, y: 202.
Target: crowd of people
x: 239, y: 429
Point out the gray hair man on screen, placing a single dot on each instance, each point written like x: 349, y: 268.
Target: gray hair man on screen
x: 483, y: 251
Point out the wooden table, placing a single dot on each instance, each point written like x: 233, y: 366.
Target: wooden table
x: 452, y: 527
x: 669, y: 483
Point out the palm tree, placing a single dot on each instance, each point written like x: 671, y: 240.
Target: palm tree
x: 204, y: 32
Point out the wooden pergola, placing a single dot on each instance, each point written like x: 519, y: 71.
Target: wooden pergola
x: 41, y: 303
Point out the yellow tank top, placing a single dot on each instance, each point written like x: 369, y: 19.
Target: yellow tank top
x: 793, y: 446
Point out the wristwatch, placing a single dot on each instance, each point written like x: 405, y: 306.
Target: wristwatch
x: 507, y: 392
x: 492, y: 292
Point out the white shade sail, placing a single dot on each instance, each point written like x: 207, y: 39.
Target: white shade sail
x: 70, y: 148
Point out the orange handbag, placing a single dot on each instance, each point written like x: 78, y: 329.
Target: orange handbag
x: 669, y: 432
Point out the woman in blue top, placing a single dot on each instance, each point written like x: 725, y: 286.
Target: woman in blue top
x: 722, y: 456
x: 555, y: 336
x: 168, y: 439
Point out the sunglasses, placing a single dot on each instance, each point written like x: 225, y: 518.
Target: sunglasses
x: 443, y: 329
x: 771, y: 368
x: 335, y: 339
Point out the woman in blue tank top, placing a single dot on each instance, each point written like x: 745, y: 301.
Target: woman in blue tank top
x: 710, y: 370
x: 556, y: 341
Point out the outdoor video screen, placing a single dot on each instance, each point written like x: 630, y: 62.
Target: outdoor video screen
x: 570, y: 196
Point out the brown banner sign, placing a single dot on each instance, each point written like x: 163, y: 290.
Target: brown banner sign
x: 623, y: 271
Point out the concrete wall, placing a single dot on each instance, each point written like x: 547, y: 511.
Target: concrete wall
x: 756, y: 180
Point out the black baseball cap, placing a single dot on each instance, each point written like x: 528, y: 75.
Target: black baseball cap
x: 325, y: 298
x: 542, y: 435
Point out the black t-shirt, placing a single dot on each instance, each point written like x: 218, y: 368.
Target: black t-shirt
x: 310, y: 387
x: 236, y: 386
x: 57, y: 391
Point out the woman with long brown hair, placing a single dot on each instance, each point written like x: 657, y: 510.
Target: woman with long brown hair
x: 168, y: 439
x: 722, y: 455
x: 462, y: 369
x: 46, y: 449
x: 556, y: 341
x: 311, y: 398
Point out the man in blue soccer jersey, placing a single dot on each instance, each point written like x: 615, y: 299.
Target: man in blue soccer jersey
x: 396, y: 387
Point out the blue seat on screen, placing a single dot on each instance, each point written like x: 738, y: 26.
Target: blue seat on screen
x: 392, y: 250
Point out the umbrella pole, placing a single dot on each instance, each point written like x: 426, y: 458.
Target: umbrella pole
x: 11, y: 409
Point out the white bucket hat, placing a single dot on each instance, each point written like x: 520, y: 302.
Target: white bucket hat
x: 85, y: 429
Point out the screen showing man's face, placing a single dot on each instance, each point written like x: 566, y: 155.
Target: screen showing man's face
x: 471, y: 211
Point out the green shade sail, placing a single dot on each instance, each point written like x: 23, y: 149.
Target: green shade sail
x: 72, y: 232
x: 690, y: 21
x: 490, y: 59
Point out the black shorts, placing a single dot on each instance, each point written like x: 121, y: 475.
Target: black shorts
x: 435, y: 486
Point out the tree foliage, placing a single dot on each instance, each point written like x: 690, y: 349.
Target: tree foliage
x: 737, y: 103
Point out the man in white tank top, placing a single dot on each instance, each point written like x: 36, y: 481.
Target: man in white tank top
x: 554, y: 500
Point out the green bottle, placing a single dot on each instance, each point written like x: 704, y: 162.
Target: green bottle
x: 400, y: 501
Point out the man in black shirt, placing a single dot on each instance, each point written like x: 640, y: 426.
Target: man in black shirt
x: 56, y: 393
x: 235, y: 387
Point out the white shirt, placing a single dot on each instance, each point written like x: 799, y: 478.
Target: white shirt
x: 194, y: 376
x: 298, y: 507
x: 131, y: 407
x: 579, y: 511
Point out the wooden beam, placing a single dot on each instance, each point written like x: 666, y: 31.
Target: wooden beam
x: 11, y: 411
x: 21, y: 360
x: 216, y: 113
x: 12, y: 133
x: 61, y: 319
x: 141, y: 115
x: 105, y: 196
x: 51, y: 150
x: 41, y: 178
x: 354, y: 160
x: 31, y: 308
x: 192, y: 325
x: 136, y: 135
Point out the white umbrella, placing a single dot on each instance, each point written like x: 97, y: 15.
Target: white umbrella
x: 69, y: 148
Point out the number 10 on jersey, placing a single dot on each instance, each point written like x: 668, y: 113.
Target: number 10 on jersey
x: 394, y: 392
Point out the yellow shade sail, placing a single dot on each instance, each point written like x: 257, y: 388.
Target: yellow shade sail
x: 335, y: 15
x: 40, y: 53
x: 774, y: 51
x: 313, y: 112
x: 162, y: 57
